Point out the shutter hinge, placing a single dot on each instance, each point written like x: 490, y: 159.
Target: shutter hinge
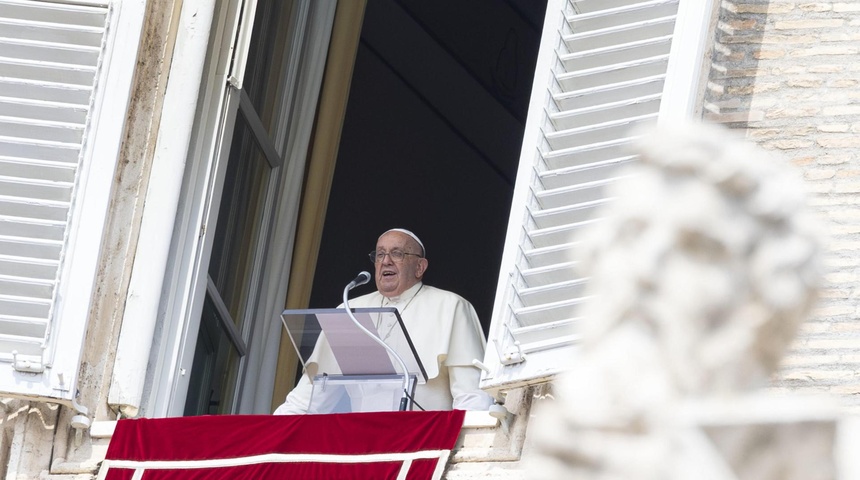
x: 25, y: 365
x: 514, y: 355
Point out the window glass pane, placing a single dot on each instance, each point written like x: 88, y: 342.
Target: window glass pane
x: 239, y: 221
x: 215, y: 367
x: 266, y: 57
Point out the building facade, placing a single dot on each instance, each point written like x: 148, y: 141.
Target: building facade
x: 166, y: 166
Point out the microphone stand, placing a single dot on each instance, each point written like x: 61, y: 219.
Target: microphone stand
x: 403, y: 399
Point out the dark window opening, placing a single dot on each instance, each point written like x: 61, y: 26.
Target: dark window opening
x: 431, y: 141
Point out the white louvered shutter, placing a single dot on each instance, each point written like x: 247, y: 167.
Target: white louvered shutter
x: 50, y: 58
x: 601, y: 72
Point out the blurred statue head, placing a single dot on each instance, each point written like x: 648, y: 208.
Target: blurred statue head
x: 708, y: 252
x: 700, y: 271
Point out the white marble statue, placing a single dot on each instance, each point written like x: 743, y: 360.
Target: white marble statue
x: 701, y: 272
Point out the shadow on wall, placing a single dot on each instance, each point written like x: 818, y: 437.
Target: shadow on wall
x: 735, y: 64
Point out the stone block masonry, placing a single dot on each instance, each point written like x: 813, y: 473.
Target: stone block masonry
x: 786, y: 72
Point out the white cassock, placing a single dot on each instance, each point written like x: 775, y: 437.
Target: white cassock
x: 447, y: 335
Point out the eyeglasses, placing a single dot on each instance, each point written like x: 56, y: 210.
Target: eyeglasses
x: 396, y: 256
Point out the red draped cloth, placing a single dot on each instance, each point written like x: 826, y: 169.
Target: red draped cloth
x: 385, y: 445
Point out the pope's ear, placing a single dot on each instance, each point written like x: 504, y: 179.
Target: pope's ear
x: 422, y: 267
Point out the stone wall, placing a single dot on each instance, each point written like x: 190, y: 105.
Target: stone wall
x: 786, y: 72
x: 494, y: 450
x: 26, y: 433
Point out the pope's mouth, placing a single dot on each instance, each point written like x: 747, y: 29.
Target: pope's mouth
x: 388, y: 274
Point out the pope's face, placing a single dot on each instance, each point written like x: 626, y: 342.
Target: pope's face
x: 394, y: 278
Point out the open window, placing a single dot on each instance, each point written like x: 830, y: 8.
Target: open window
x: 223, y: 286
x: 604, y: 68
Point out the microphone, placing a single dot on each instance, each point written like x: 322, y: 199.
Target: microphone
x: 361, y: 279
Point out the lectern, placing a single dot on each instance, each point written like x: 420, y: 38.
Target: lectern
x: 350, y: 371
